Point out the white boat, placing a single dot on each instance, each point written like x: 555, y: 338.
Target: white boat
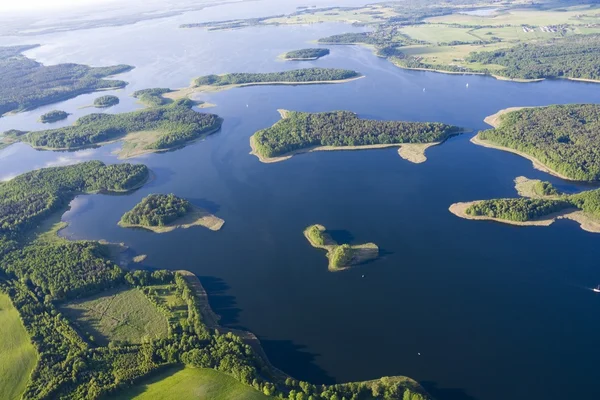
x: 596, y: 289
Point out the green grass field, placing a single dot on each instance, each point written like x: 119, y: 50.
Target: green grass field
x: 576, y: 16
x: 451, y: 55
x: 191, y: 384
x: 17, y: 354
x: 117, y: 315
x: 436, y: 33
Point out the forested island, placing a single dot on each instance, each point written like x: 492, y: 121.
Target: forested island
x: 26, y: 84
x: 166, y: 212
x: 306, y: 54
x: 150, y: 319
x: 564, y: 139
x: 541, y: 205
x: 342, y: 256
x: 306, y: 75
x: 338, y: 130
x: 106, y: 101
x: 53, y: 116
x: 148, y: 130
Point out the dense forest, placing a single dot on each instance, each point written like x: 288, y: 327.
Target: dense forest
x: 26, y: 84
x: 351, y: 38
x: 157, y: 210
x: 308, y: 54
x: 518, y: 209
x: 568, y: 57
x: 177, y: 122
x: 566, y: 138
x: 106, y: 101
x: 53, y: 116
x: 300, y: 130
x: 297, y: 75
x: 29, y: 198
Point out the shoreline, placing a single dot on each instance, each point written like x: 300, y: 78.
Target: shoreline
x: 586, y: 222
x: 196, y: 217
x: 188, y: 91
x: 411, y: 152
x: 536, y: 163
x: 362, y: 252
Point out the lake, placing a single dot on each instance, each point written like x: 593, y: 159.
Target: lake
x: 496, y: 312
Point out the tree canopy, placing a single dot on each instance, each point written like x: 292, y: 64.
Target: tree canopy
x: 26, y: 84
x: 299, y: 130
x: 566, y: 138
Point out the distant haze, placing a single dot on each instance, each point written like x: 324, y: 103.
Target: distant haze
x: 34, y: 5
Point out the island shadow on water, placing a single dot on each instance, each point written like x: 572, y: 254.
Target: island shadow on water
x: 283, y: 354
x: 446, y: 393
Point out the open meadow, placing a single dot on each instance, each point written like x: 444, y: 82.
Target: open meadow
x: 17, y: 355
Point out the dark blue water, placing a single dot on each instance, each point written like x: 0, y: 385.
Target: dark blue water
x: 497, y: 312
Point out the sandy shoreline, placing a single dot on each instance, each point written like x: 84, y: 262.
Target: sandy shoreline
x: 536, y: 163
x: 586, y: 222
x: 412, y: 152
x: 362, y: 252
x: 196, y: 217
x: 186, y: 92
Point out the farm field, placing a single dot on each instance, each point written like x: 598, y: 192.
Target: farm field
x: 573, y: 16
x: 17, y: 354
x: 191, y: 384
x: 117, y: 315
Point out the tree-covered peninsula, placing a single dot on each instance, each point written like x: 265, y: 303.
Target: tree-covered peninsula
x: 306, y: 75
x: 53, y: 116
x: 541, y: 205
x: 106, y: 101
x: 150, y: 320
x: 166, y: 212
x: 302, y: 131
x: 563, y: 138
x: 306, y: 54
x: 575, y: 57
x: 26, y: 84
x: 342, y: 256
x: 31, y: 197
x: 148, y: 130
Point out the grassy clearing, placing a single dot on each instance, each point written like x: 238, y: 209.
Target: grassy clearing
x: 439, y: 56
x: 117, y: 315
x: 17, y: 355
x: 524, y: 17
x: 191, y: 384
x: 437, y: 33
x: 366, y: 15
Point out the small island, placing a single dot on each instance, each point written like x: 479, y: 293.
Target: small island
x: 563, y: 140
x: 343, y: 256
x: 301, y: 132
x: 162, y: 213
x: 541, y: 205
x: 144, y: 131
x: 305, y: 76
x: 306, y: 54
x: 106, y: 101
x: 53, y: 116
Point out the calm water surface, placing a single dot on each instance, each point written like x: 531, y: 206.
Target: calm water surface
x: 497, y: 312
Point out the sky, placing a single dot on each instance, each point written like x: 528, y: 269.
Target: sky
x: 36, y: 5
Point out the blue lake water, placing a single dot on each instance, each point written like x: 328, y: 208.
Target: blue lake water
x: 496, y: 312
